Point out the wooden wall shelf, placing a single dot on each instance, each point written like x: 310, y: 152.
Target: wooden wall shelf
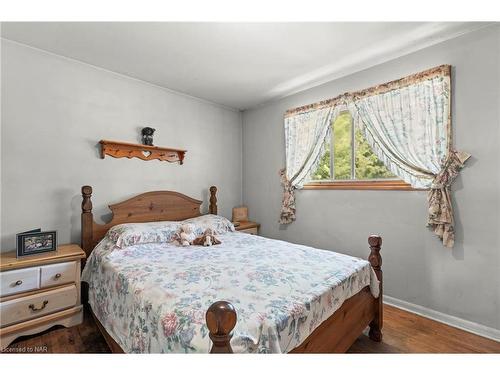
x: 144, y: 152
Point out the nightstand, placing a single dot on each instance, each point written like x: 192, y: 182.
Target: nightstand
x: 39, y: 291
x: 248, y: 227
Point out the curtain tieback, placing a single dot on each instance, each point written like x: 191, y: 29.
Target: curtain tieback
x: 451, y: 167
x: 440, y: 208
x: 287, y: 214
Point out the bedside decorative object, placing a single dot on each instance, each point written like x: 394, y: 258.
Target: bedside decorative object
x: 248, y: 227
x: 35, y: 242
x: 147, y: 136
x: 144, y: 152
x: 39, y: 292
x: 240, y: 214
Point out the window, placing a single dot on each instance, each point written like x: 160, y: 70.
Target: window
x: 353, y: 165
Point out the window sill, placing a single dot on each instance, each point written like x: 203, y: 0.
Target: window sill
x: 360, y: 185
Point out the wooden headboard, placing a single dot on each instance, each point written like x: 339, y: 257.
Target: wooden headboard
x: 151, y: 206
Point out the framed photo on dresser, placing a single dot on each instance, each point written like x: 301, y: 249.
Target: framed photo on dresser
x: 35, y: 242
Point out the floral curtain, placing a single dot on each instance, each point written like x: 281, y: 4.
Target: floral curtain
x: 305, y: 134
x: 408, y: 126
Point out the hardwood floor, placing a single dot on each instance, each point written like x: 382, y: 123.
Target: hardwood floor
x: 404, y: 332
x: 84, y: 338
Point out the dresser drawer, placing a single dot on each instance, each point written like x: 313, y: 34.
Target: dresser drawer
x: 21, y: 280
x: 35, y: 305
x: 57, y: 274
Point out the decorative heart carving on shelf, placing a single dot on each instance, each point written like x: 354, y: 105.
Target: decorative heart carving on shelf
x: 146, y: 153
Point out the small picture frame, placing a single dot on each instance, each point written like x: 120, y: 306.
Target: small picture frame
x: 35, y: 242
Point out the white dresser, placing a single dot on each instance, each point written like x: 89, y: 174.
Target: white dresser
x: 39, y: 291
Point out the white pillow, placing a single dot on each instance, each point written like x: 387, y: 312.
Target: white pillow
x: 129, y: 234
x: 218, y: 224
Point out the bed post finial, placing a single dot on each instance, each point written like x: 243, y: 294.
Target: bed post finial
x: 221, y: 319
x: 86, y: 202
x: 375, y: 260
x: 87, y: 219
x: 213, y: 200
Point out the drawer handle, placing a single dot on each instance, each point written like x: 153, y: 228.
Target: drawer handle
x: 18, y: 282
x: 58, y: 275
x: 33, y: 308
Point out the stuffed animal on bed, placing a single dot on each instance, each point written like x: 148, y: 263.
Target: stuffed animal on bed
x: 185, y: 235
x: 207, y: 239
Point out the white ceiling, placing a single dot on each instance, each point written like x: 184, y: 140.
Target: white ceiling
x: 239, y: 65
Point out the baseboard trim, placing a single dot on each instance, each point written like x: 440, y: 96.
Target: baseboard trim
x: 466, y: 325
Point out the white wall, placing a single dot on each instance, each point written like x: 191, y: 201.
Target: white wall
x: 55, y: 111
x: 463, y: 282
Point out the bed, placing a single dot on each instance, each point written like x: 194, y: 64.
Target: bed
x: 249, y: 294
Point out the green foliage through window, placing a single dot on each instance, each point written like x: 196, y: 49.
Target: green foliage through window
x: 323, y: 170
x: 342, y: 149
x: 367, y: 166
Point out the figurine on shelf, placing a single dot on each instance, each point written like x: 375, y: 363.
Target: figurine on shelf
x: 147, y: 136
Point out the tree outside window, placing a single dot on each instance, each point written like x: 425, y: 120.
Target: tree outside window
x: 352, y: 159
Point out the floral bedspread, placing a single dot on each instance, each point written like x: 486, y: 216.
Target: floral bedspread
x: 152, y: 298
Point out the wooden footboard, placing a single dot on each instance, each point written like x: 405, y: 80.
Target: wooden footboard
x: 334, y: 335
